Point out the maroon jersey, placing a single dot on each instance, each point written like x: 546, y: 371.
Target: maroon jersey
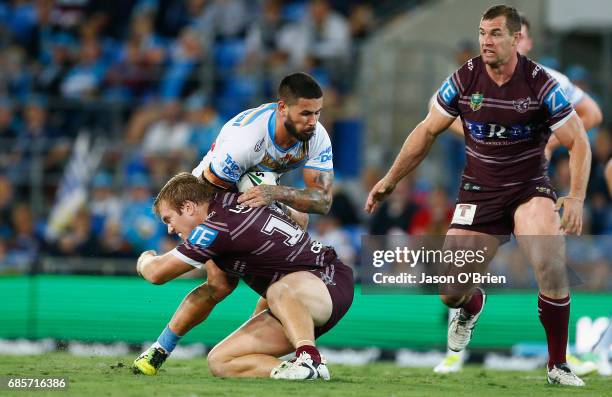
x: 260, y: 245
x: 506, y: 127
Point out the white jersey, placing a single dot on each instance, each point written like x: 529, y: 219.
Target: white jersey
x: 573, y: 93
x: 246, y: 143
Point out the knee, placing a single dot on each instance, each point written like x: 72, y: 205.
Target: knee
x: 276, y: 292
x: 454, y: 301
x: 217, y: 364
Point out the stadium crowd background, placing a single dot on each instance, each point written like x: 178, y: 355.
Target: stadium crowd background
x: 152, y: 82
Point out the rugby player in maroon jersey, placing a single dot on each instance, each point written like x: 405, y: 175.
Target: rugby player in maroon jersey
x: 307, y: 288
x: 509, y: 106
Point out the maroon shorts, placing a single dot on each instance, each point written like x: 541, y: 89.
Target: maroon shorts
x: 491, y: 211
x: 338, y: 279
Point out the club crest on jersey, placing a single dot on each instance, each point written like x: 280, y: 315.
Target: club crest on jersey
x: 521, y: 105
x: 476, y: 101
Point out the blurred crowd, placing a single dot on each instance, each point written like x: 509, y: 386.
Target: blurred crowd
x: 156, y: 79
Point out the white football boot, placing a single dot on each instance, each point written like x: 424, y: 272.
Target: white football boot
x: 453, y: 362
x: 301, y: 368
x: 461, y: 327
x: 562, y: 375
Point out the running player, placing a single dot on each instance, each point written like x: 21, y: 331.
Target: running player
x: 307, y: 288
x: 509, y: 106
x: 591, y: 116
x: 276, y: 137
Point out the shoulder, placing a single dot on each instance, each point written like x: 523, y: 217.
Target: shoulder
x: 467, y: 72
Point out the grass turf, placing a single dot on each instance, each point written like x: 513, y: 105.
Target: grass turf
x: 102, y: 376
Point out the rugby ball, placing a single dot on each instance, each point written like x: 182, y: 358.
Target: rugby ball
x: 255, y: 178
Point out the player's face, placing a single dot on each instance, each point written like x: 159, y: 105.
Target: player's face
x: 300, y: 119
x: 525, y: 44
x: 181, y: 224
x: 497, y: 44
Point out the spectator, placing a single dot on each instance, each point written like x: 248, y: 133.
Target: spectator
x: 85, y: 78
x: 104, y: 205
x: 396, y: 214
x: 139, y: 227
x: 204, y: 123
x: 25, y: 245
x: 6, y: 206
x: 8, y: 135
x: 78, y: 239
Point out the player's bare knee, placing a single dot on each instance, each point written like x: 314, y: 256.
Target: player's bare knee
x: 218, y: 364
x: 277, y: 291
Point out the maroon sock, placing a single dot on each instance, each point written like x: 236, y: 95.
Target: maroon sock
x: 314, y: 353
x: 554, y: 316
x: 474, y: 305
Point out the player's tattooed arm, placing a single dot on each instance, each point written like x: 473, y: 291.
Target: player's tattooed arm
x: 315, y: 198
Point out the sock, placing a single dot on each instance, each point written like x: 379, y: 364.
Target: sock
x: 554, y: 316
x: 167, y: 340
x: 474, y: 305
x: 603, y: 345
x: 314, y: 353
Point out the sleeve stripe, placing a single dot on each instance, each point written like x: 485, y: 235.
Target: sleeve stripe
x: 563, y: 120
x: 318, y: 168
x: 545, y: 87
x: 455, y: 77
x: 186, y: 259
x: 442, y: 110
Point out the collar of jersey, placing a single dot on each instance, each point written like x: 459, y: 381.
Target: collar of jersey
x: 272, y: 133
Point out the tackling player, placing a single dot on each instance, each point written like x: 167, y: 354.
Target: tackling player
x: 307, y: 288
x: 509, y: 106
x: 276, y: 137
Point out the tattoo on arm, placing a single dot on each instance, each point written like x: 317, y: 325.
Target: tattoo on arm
x: 316, y: 198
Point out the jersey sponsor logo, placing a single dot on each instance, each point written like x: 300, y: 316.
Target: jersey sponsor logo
x: 326, y: 155
x: 556, y: 100
x: 230, y: 168
x: 476, y: 101
x: 203, y: 236
x: 521, y: 105
x: 448, y: 92
x: 464, y: 214
x: 535, y: 71
x: 470, y: 65
x: 483, y: 131
x: 285, y: 163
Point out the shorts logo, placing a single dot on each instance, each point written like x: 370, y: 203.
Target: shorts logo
x: 521, y: 105
x: 464, y: 214
x: 542, y: 189
x: 476, y: 101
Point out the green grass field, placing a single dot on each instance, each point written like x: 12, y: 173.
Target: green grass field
x: 101, y: 376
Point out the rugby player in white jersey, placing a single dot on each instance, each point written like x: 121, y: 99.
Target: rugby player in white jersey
x: 274, y: 137
x: 591, y: 116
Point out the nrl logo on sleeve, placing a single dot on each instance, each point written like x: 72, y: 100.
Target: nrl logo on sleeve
x: 476, y: 101
x: 521, y: 105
